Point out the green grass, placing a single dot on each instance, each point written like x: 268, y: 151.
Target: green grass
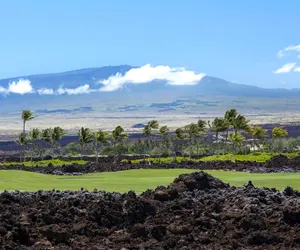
x: 258, y: 157
x: 45, y: 163
x: 137, y: 180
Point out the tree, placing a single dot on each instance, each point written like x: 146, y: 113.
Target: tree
x: 100, y: 137
x: 179, y: 135
x: 148, y: 130
x: 27, y: 115
x: 278, y: 142
x: 22, y: 140
x: 219, y: 125
x: 52, y: 136
x: 34, y: 135
x: 201, y: 129
x: 229, y: 116
x: 258, y: 133
x: 279, y: 132
x: 57, y: 134
x: 201, y: 125
x: 192, y: 130
x: 164, y: 134
x: 118, y: 135
x: 236, y: 139
x: 47, y: 136
x: 84, y: 137
x: 239, y: 123
x: 236, y: 121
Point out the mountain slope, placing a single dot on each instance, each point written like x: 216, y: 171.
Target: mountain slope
x: 156, y: 91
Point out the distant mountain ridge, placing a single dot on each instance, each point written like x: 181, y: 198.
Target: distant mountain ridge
x: 208, y: 85
x: 155, y: 91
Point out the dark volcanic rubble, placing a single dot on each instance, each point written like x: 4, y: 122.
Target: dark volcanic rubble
x: 196, y: 211
x: 279, y: 163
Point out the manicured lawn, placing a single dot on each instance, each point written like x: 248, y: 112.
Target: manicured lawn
x: 137, y: 180
x: 45, y: 163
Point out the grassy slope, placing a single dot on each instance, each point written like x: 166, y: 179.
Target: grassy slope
x: 137, y: 180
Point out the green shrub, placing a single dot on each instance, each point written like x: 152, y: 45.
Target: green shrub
x: 45, y: 163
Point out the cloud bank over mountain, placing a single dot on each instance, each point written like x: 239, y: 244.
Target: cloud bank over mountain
x: 22, y: 86
x: 142, y: 75
x: 147, y: 74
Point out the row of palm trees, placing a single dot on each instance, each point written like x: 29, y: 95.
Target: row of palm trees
x: 99, y: 138
x: 53, y: 135
x: 231, y: 121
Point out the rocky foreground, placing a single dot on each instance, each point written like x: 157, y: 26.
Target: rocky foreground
x: 197, y: 211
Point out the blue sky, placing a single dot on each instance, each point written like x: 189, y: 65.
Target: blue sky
x: 234, y: 39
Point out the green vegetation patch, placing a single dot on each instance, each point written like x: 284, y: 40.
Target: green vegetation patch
x: 258, y: 157
x: 45, y: 163
x: 138, y: 180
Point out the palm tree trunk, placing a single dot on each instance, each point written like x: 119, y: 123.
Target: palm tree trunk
x: 23, y: 153
x: 31, y: 154
x: 81, y: 152
x: 145, y: 145
x: 97, y: 154
x: 175, y: 147
x: 190, y: 153
x: 226, y: 140
x: 115, y: 156
x: 24, y: 126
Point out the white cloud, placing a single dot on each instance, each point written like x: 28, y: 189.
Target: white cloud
x: 85, y: 89
x: 45, y: 91
x: 285, y: 68
x: 297, y: 69
x: 147, y: 73
x: 283, y: 52
x: 3, y: 90
x: 23, y: 86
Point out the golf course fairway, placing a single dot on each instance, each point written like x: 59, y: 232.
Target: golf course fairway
x: 137, y: 180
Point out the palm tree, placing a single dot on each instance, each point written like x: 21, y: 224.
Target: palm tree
x: 58, y: 134
x: 229, y: 116
x: 219, y: 125
x: 47, y: 136
x: 100, y: 138
x: 27, y: 115
x: 118, y: 135
x: 34, y: 135
x: 236, y: 121
x: 258, y: 133
x: 84, y: 137
x: 164, y: 134
x: 179, y: 135
x: 240, y: 123
x: 148, y: 130
x: 201, y: 129
x: 236, y: 139
x: 192, y: 130
x: 22, y: 140
x: 279, y: 132
x: 201, y: 125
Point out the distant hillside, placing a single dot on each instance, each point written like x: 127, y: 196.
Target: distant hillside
x: 156, y: 91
